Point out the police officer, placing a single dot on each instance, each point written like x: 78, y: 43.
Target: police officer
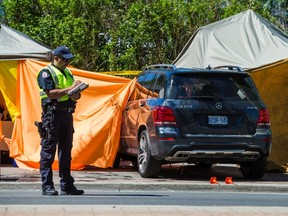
x: 55, y: 81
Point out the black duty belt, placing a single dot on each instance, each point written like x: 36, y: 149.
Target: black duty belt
x: 64, y: 109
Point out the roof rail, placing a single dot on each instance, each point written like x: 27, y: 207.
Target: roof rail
x: 229, y: 67
x: 163, y: 66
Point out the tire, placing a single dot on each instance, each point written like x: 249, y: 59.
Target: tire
x: 148, y: 167
x: 254, y: 170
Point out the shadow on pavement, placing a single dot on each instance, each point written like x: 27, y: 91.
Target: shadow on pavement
x: 186, y: 172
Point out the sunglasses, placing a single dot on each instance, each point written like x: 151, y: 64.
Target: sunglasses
x: 64, y: 60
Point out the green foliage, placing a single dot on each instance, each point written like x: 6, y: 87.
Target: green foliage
x: 156, y: 32
x: 237, y: 6
x: 114, y: 35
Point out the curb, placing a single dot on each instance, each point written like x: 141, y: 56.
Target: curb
x: 155, y: 187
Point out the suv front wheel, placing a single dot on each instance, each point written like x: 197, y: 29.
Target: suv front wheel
x: 254, y: 170
x: 148, y: 167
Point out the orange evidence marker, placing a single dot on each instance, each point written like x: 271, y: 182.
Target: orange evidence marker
x: 213, y: 180
x: 228, y: 180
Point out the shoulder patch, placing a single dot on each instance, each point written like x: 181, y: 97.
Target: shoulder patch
x: 44, y: 74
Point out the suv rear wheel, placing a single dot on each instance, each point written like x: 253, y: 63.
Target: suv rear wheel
x: 147, y: 166
x: 254, y: 170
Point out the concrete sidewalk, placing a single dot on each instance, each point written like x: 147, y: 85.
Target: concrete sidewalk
x: 126, y: 178
x: 118, y: 210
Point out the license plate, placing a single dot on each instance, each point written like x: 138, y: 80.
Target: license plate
x: 217, y: 120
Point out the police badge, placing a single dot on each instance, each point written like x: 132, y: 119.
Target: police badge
x: 44, y: 74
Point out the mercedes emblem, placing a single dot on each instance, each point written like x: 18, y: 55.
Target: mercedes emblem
x: 218, y: 105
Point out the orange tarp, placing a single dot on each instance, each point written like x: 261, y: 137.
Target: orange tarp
x: 97, y: 119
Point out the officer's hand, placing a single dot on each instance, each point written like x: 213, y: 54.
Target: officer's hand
x: 76, y: 83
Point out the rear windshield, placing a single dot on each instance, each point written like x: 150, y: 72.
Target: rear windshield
x: 228, y: 87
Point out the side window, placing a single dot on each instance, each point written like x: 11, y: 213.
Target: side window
x: 159, y: 86
x: 151, y: 84
x: 147, y: 84
x: 149, y: 81
x: 146, y: 81
x: 141, y: 78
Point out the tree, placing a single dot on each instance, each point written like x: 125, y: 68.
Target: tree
x: 109, y: 35
x: 156, y: 32
x: 279, y: 10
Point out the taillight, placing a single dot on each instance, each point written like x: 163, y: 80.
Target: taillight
x: 263, y: 119
x: 164, y: 116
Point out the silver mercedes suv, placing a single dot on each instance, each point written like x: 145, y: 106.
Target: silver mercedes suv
x: 200, y: 116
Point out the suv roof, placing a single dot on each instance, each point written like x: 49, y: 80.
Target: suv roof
x: 173, y: 68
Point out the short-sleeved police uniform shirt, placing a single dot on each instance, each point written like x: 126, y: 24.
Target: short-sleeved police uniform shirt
x: 45, y: 82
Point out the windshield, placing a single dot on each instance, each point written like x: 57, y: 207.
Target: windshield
x: 224, y: 87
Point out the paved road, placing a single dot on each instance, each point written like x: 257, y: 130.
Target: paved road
x: 29, y: 202
x: 150, y: 198
x: 125, y: 179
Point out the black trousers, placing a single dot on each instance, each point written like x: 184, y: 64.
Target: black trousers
x: 59, y: 131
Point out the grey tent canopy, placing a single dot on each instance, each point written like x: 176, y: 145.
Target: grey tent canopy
x: 16, y: 45
x: 245, y: 39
